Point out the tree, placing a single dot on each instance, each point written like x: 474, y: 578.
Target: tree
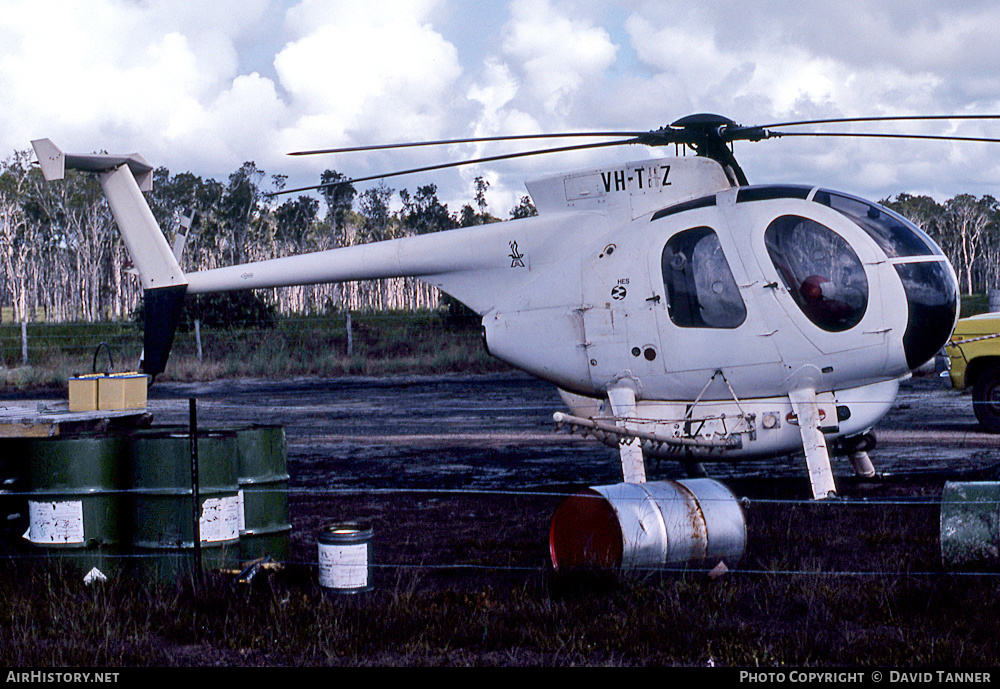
x: 968, y: 219
x: 16, y: 239
x: 469, y: 216
x: 239, y: 211
x: 375, y: 215
x: 481, y: 186
x: 524, y: 209
x: 424, y: 213
x: 81, y: 235
x: 339, y: 195
x: 294, y: 220
x: 186, y: 193
x: 922, y: 211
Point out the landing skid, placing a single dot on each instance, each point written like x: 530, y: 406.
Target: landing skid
x: 641, y: 429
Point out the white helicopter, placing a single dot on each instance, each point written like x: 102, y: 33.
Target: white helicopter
x: 681, y: 312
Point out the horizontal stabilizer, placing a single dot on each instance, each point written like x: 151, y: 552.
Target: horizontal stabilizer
x: 123, y: 179
x: 54, y: 163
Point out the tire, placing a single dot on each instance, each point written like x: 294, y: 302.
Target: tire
x: 986, y: 398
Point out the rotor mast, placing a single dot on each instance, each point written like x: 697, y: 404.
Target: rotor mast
x: 709, y: 135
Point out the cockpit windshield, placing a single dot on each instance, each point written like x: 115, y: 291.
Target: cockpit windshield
x: 896, y: 236
x: 928, y: 280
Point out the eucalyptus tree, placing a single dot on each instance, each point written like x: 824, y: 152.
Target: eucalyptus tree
x: 339, y: 195
x: 968, y: 219
x: 17, y: 235
x: 524, y: 209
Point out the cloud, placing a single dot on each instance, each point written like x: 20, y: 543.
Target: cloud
x: 361, y: 76
x: 205, y: 86
x: 556, y: 54
x: 118, y: 75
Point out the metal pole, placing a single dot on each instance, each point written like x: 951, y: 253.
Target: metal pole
x: 196, y: 497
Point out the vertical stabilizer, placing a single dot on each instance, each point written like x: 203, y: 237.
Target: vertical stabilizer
x: 162, y: 308
x: 123, y: 179
x: 148, y: 248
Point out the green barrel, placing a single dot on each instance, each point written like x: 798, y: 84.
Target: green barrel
x: 265, y: 529
x: 162, y: 497
x: 13, y: 488
x: 970, y: 525
x: 75, y: 499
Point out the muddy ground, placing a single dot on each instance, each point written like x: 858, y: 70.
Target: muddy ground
x: 459, y: 475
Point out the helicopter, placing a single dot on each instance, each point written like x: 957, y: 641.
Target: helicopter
x: 680, y: 311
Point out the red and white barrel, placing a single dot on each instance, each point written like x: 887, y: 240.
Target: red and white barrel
x: 692, y: 522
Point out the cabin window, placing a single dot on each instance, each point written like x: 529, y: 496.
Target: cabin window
x: 700, y: 289
x: 820, y: 270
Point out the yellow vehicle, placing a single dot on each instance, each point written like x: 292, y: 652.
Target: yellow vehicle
x: 974, y: 359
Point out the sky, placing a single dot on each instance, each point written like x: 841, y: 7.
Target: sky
x: 203, y: 86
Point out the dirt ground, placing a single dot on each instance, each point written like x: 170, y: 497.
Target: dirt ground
x: 459, y: 475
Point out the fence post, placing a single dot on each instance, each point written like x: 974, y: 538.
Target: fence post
x: 197, y: 337
x: 350, y: 335
x: 24, y: 343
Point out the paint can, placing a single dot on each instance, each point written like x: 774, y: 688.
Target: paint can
x: 688, y: 523
x: 345, y: 557
x: 970, y: 525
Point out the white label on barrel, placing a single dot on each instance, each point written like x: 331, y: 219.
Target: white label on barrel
x: 243, y: 516
x: 55, y: 522
x: 220, y: 519
x: 343, y: 566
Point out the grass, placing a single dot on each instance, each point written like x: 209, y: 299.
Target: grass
x: 393, y: 343
x: 767, y: 620
x: 383, y: 344
x: 819, y: 586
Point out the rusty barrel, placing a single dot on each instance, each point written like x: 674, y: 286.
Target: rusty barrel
x: 687, y: 523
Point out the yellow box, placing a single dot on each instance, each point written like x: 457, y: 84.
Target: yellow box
x: 122, y: 391
x: 83, y: 393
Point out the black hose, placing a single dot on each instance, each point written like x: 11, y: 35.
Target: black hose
x: 111, y: 363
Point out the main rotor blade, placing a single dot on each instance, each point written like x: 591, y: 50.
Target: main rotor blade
x: 875, y: 135
x: 470, y: 140
x: 886, y: 118
x: 442, y: 166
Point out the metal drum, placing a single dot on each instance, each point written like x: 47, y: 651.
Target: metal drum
x: 970, y: 525
x: 74, y: 503
x: 13, y: 487
x: 693, y: 522
x: 162, y: 502
x: 994, y: 296
x: 345, y: 557
x: 264, y: 527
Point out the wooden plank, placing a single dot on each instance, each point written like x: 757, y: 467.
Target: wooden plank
x: 35, y: 419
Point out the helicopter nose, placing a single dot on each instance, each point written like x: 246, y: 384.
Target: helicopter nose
x: 932, y: 300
